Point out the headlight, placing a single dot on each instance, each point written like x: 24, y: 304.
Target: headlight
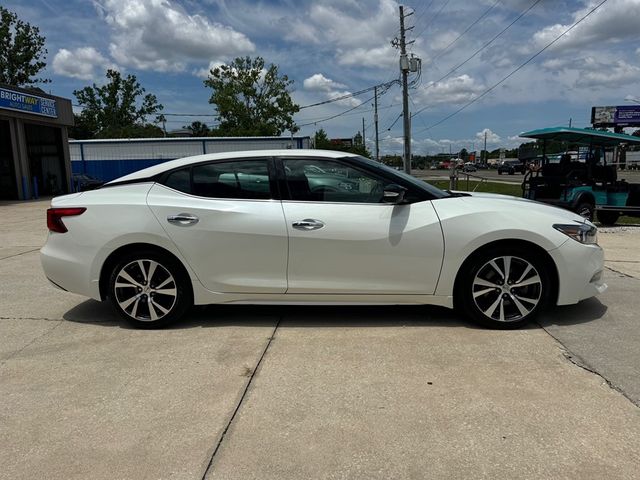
x: 581, y: 232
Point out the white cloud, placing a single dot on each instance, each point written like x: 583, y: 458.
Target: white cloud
x: 358, y: 35
x: 160, y: 35
x: 594, y: 71
x: 453, y: 90
x: 357, y: 26
x: 492, y: 137
x: 80, y: 63
x: 204, y: 72
x: 319, y: 83
x: 607, y: 74
x: 613, y: 22
x: 377, y: 57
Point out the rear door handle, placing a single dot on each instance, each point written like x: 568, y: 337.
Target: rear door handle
x: 308, y: 224
x: 183, y: 219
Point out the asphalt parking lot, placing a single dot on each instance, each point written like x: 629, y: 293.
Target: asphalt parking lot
x: 239, y: 392
x: 631, y: 176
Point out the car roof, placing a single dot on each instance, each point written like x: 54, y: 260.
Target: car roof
x: 185, y: 161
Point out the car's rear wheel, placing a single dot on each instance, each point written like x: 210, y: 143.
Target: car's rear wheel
x: 504, y: 288
x: 607, y: 217
x: 149, y: 290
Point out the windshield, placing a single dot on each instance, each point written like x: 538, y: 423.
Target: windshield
x: 435, y: 192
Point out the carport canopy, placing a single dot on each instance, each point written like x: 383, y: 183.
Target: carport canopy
x: 582, y: 136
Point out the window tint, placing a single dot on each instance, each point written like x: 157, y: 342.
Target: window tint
x: 180, y: 180
x: 331, y: 181
x: 242, y: 179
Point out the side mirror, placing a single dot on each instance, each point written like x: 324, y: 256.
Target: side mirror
x: 393, y: 193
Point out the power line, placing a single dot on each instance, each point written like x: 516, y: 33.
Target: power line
x: 433, y: 19
x: 395, y: 121
x: 173, y: 114
x: 188, y: 114
x: 478, y: 51
x: 520, y: 67
x: 475, y: 22
x: 384, y: 85
x: 350, y: 95
x: 426, y: 9
x: 387, y: 86
x: 334, y: 116
x: 385, y: 107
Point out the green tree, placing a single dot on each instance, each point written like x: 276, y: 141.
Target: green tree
x: 321, y: 140
x: 198, y: 129
x: 117, y: 109
x: 251, y: 100
x: 80, y: 129
x: 463, y: 155
x: 22, y: 52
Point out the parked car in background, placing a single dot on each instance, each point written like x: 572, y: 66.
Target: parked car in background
x: 469, y: 167
x: 249, y: 227
x: 511, y: 167
x: 83, y: 182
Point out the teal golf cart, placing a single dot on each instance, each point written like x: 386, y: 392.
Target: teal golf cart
x: 584, y: 177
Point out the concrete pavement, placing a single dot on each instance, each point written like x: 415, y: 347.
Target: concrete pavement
x: 603, y: 334
x: 256, y: 392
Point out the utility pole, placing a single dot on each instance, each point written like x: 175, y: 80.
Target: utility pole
x: 364, y: 142
x: 375, y: 120
x: 404, y: 68
x: 486, y: 159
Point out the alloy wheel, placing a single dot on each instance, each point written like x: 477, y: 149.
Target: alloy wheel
x: 145, y: 290
x: 507, y: 288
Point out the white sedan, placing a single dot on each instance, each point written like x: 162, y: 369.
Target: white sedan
x: 313, y: 227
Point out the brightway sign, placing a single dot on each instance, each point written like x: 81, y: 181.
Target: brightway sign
x: 27, y: 103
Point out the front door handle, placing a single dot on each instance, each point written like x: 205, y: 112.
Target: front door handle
x: 183, y: 219
x: 308, y: 224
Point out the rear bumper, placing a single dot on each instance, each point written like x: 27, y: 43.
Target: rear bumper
x: 68, y: 268
x: 580, y: 271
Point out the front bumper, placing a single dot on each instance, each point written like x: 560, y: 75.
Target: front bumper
x: 580, y: 271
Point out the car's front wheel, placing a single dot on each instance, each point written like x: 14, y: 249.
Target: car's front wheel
x: 149, y: 290
x: 504, y: 288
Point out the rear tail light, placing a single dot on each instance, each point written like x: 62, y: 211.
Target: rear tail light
x: 55, y: 215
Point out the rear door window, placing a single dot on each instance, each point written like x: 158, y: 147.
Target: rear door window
x: 243, y: 179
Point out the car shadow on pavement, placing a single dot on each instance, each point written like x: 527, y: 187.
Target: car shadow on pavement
x: 585, y: 311
x: 102, y: 313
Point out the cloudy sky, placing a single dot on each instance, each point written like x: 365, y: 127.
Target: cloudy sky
x: 333, y: 47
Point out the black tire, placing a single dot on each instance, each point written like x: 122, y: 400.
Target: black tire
x: 585, y: 209
x: 149, y: 304
x: 512, y: 172
x: 497, y: 306
x: 607, y: 217
x: 499, y: 172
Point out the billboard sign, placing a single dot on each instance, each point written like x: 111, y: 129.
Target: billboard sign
x: 27, y: 103
x: 621, y: 116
